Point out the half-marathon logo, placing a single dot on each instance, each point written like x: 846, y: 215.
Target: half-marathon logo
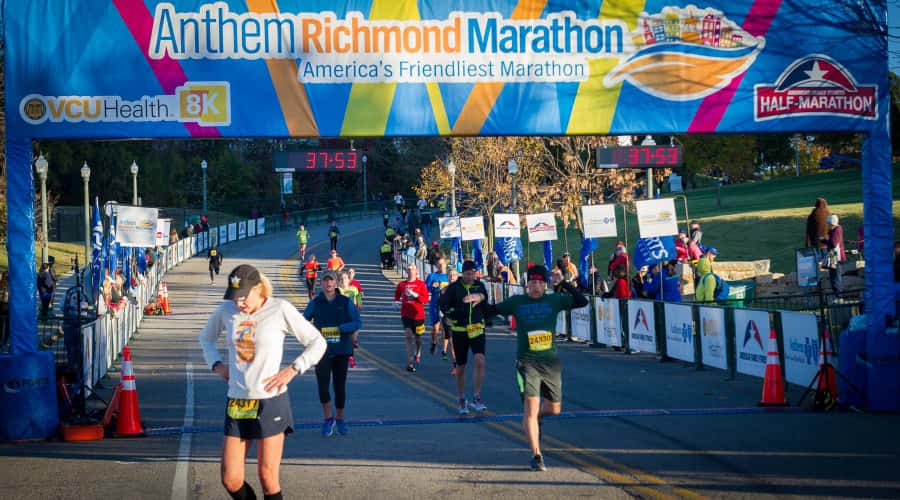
x: 204, y: 103
x: 815, y: 85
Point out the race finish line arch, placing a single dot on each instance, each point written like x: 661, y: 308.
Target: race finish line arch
x: 291, y: 68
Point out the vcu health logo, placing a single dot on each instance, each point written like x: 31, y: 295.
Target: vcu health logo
x: 683, y: 54
x: 815, y: 85
x: 205, y: 103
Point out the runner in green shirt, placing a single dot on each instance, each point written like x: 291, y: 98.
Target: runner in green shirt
x: 538, y: 366
x: 302, y: 240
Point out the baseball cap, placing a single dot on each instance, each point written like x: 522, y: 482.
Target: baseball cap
x: 538, y: 273
x: 240, y: 281
x: 832, y: 219
x: 713, y: 250
x: 434, y: 243
x: 565, y: 254
x: 468, y: 265
x: 644, y: 269
x: 329, y: 274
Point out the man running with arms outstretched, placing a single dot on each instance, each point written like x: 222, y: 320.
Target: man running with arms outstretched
x: 464, y: 303
x: 412, y: 295
x: 537, y: 363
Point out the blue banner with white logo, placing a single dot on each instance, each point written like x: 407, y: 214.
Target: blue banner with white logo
x: 588, y: 245
x: 650, y: 251
x: 508, y: 249
x: 97, y: 247
x: 548, y: 254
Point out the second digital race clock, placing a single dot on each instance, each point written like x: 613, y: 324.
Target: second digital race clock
x: 640, y: 157
x: 312, y: 160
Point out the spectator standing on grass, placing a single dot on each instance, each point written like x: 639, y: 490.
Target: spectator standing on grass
x: 817, y: 225
x: 834, y: 242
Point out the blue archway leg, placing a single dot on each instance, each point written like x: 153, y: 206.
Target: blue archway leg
x: 20, y: 246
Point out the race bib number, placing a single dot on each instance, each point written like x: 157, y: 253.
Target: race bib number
x: 332, y: 234
x: 212, y: 253
x: 332, y: 334
x: 420, y: 329
x: 474, y: 330
x: 243, y: 409
x: 540, y: 340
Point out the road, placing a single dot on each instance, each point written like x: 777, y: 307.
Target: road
x: 705, y: 439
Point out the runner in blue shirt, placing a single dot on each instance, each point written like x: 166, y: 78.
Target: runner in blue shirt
x: 436, y: 281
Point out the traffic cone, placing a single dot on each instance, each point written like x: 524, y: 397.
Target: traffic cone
x: 162, y: 297
x: 773, y: 383
x: 129, y: 421
x: 827, y: 391
x: 512, y: 323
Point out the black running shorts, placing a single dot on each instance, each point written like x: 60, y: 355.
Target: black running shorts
x: 416, y: 325
x: 462, y: 343
x: 273, y: 417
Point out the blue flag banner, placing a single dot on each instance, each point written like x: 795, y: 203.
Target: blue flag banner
x: 478, y: 255
x: 457, y: 251
x: 508, y: 249
x: 142, y: 260
x: 650, y: 251
x: 97, y: 247
x: 127, y: 256
x: 112, y: 247
x: 548, y: 254
x: 588, y: 245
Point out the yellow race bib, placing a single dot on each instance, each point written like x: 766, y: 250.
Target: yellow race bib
x: 243, y: 409
x: 474, y: 330
x: 332, y: 334
x: 420, y: 329
x: 539, y: 340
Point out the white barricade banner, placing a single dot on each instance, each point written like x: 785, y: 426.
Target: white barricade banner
x: 581, y: 323
x: 251, y: 228
x: 609, y: 324
x: 541, y: 227
x: 507, y: 226
x: 163, y: 227
x: 751, y: 336
x: 261, y: 225
x: 561, y: 323
x: 472, y: 228
x: 223, y: 235
x: 496, y: 292
x: 242, y: 229
x: 136, y: 226
x: 641, y: 323
x: 449, y: 227
x: 599, y: 221
x: 656, y: 217
x: 515, y: 290
x: 232, y: 231
x: 801, y: 347
x: 712, y: 337
x: 680, y: 332
x: 214, y: 235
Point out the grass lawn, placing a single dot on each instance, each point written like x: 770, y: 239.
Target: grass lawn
x: 63, y: 252
x: 757, y: 220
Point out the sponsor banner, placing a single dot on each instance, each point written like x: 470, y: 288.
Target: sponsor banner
x: 242, y: 229
x: 515, y: 290
x: 650, y: 251
x: 541, y: 227
x: 507, y: 226
x: 609, y: 324
x: 261, y: 225
x: 801, y: 347
x: 656, y: 217
x: 214, y: 235
x: 712, y: 337
x: 163, y: 227
x: 641, y: 326
x: 581, y: 323
x: 680, y: 332
x: 450, y: 227
x: 223, y: 235
x: 561, y: 323
x: 471, y: 228
x: 496, y: 290
x: 287, y: 183
x: 752, y: 339
x: 251, y: 228
x: 599, y: 221
x: 232, y: 231
x: 136, y: 226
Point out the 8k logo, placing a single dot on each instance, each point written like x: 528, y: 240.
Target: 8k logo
x: 206, y: 103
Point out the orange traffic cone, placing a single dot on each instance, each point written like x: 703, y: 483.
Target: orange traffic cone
x: 129, y: 421
x: 826, y: 391
x: 162, y: 297
x: 773, y: 383
x: 512, y: 323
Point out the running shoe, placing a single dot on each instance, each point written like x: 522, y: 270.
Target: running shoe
x: 342, y: 427
x: 433, y: 348
x: 328, y: 428
x: 478, y: 404
x: 410, y: 367
x: 416, y: 364
x: 537, y: 463
x: 443, y: 355
x: 463, y: 407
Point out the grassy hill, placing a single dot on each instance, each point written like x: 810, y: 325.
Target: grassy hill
x: 757, y: 220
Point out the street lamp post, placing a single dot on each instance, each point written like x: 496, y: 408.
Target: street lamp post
x: 86, y: 177
x: 365, y: 159
x: 134, y: 172
x: 795, y: 142
x: 451, y: 167
x: 513, y: 169
x: 41, y: 165
x: 203, y: 168
x: 648, y: 141
x: 809, y: 141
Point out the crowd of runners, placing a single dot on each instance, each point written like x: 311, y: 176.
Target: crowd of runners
x: 255, y: 325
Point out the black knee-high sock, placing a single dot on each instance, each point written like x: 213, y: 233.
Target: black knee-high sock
x: 245, y: 493
x: 274, y: 496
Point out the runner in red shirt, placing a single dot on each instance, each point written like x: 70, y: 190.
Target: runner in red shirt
x: 311, y: 271
x: 412, y: 295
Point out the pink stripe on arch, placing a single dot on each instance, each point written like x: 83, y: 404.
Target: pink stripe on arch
x: 168, y: 71
x: 713, y: 107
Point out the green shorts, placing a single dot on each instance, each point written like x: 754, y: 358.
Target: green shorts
x: 540, y: 379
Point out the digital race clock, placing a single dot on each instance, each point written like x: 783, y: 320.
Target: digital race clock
x: 312, y: 160
x: 640, y: 157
